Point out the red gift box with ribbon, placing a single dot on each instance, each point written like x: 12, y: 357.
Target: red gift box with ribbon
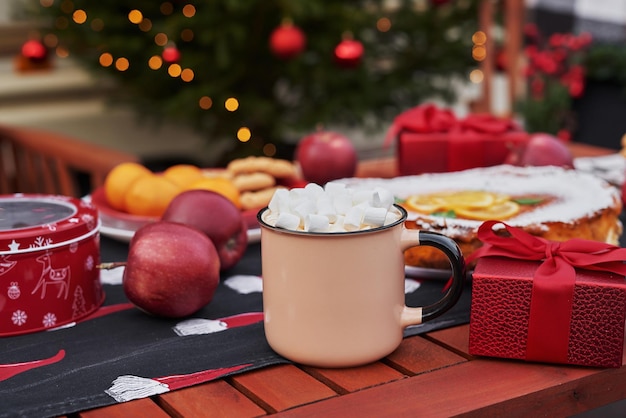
x: 433, y: 140
x: 545, y: 301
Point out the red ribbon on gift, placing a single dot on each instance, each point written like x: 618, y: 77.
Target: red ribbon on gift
x: 553, y: 283
x: 429, y: 118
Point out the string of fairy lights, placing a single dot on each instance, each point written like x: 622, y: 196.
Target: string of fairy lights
x: 170, y: 55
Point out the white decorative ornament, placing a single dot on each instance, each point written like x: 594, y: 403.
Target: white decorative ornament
x: 14, y: 291
x: 245, y: 284
x: 19, y: 318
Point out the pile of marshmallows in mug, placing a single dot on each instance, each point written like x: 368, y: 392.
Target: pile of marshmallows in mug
x: 335, y: 207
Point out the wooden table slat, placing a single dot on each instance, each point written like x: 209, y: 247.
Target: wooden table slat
x: 486, y: 385
x: 214, y: 399
x: 455, y: 338
x: 355, y: 378
x: 277, y: 388
x: 418, y: 355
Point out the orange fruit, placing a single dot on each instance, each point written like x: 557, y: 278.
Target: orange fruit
x: 183, y: 174
x: 150, y: 195
x: 119, y: 180
x: 220, y: 185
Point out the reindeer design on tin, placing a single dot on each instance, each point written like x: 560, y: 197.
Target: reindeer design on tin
x: 53, y: 276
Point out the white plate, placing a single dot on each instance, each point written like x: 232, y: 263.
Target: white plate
x: 124, y: 235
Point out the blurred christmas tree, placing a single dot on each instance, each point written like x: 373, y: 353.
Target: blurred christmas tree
x: 260, y: 72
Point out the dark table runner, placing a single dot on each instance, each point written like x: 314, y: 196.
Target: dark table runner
x: 120, y: 353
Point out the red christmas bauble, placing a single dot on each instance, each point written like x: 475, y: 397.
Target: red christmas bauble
x: 349, y: 53
x: 287, y: 41
x: 171, y: 54
x: 34, y: 51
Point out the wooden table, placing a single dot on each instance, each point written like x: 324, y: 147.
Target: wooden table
x: 427, y: 376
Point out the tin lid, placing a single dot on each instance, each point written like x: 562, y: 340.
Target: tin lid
x: 36, y: 222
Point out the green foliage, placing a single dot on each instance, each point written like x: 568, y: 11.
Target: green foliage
x: 427, y: 45
x: 607, y: 62
x: 549, y: 113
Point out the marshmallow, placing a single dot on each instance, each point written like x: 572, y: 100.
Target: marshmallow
x: 316, y: 223
x: 326, y: 208
x: 334, y: 188
x: 382, y: 198
x: 314, y: 189
x: 279, y: 201
x: 332, y: 208
x: 352, y: 221
x: 288, y: 220
x: 342, y: 203
x: 374, y: 216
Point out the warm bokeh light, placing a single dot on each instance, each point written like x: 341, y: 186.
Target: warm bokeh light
x: 269, y: 150
x: 46, y: 3
x: 479, y: 37
x: 479, y: 53
x: 174, y: 70
x: 167, y: 8
x: 187, y: 75
x: 145, y: 25
x: 106, y: 59
x: 189, y: 10
x: 79, y: 16
x: 50, y: 40
x: 383, y: 24
x: 122, y: 64
x: 476, y: 76
x: 155, y: 62
x: 186, y: 35
x: 231, y: 104
x: 62, y: 52
x: 135, y: 16
x: 244, y: 134
x: 205, y: 102
x: 97, y: 24
x: 160, y: 39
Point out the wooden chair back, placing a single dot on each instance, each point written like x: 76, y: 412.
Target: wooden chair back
x: 512, y: 13
x: 37, y: 161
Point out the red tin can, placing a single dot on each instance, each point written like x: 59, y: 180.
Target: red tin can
x: 49, y: 252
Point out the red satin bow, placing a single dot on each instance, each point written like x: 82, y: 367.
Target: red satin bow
x: 553, y: 283
x: 429, y: 118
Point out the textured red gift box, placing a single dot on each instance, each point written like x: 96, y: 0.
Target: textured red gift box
x: 501, y: 298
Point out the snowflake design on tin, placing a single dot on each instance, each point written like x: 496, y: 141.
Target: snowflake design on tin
x: 41, y: 242
x: 19, y: 317
x: 89, y: 263
x: 49, y: 320
x: 89, y: 220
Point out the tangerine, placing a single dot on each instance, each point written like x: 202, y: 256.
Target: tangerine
x: 119, y: 180
x: 150, y: 195
x: 221, y: 185
x: 183, y: 174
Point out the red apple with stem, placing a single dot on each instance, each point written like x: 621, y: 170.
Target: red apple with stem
x: 217, y: 217
x: 326, y: 155
x: 172, y: 269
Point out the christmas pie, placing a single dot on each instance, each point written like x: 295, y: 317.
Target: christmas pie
x: 550, y: 202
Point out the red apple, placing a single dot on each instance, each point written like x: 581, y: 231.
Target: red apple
x: 542, y: 149
x: 325, y: 155
x: 172, y: 269
x: 215, y: 216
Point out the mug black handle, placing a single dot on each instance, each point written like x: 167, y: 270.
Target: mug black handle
x: 457, y: 262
